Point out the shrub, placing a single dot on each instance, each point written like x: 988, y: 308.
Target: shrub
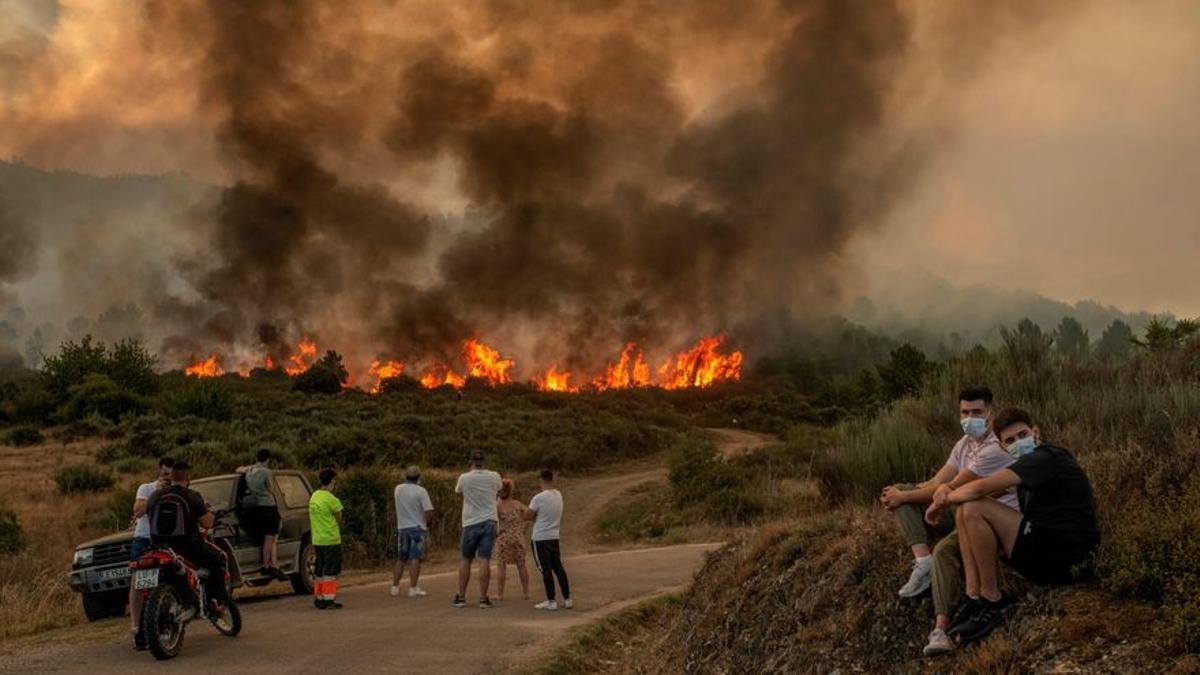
x: 82, y: 478
x: 23, y: 436
x: 206, y: 398
x: 87, y: 427
x: 99, y: 395
x: 128, y: 365
x: 12, y: 537
x: 367, y: 522
x: 326, y: 376
x: 131, y: 465
x: 723, y: 491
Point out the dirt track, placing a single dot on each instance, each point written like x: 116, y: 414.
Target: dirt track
x: 379, y: 633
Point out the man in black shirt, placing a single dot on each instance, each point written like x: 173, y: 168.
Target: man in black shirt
x: 1051, y: 540
x: 176, y: 516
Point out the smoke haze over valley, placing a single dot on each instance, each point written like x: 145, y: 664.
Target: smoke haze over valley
x: 393, y: 178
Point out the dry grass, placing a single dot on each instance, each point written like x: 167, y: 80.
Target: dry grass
x: 33, y: 592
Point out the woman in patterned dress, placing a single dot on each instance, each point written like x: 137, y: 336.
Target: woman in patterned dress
x: 510, y: 542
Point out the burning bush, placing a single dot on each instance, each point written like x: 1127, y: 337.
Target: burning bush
x: 327, y: 376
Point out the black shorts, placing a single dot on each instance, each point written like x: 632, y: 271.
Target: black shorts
x: 1052, y: 556
x: 260, y: 521
x: 329, y: 561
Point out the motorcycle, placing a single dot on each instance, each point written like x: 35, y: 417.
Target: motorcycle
x: 173, y: 594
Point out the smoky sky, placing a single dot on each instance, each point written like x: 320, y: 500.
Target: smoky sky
x: 612, y: 170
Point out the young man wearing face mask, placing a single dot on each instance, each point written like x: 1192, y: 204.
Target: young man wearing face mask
x: 975, y: 455
x: 1052, y: 541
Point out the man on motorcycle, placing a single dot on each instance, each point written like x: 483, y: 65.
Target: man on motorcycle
x: 176, y: 516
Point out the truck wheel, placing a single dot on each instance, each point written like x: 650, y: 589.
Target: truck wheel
x: 302, y: 580
x: 97, y: 606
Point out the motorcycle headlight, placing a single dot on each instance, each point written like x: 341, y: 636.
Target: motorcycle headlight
x: 84, y: 556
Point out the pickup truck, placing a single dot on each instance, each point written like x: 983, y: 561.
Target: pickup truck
x: 100, y: 570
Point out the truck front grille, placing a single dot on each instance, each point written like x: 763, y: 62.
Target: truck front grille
x: 112, y: 553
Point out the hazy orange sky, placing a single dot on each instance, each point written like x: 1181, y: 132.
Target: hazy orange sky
x: 1067, y: 164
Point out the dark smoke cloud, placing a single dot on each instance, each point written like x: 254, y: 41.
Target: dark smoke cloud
x: 17, y: 246
x: 631, y: 170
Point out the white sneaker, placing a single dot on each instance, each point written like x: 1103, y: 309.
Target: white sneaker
x: 939, y: 643
x: 548, y: 605
x: 567, y: 604
x: 416, y: 592
x: 395, y: 591
x: 920, y: 579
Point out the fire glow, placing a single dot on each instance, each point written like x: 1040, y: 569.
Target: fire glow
x: 703, y: 365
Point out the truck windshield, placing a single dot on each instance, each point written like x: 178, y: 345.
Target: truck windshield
x: 215, y: 492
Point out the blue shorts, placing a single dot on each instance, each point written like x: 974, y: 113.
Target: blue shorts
x: 138, y: 547
x: 478, y: 539
x: 410, y: 544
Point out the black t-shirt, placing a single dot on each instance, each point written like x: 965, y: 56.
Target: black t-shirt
x: 174, y: 514
x: 1055, y: 494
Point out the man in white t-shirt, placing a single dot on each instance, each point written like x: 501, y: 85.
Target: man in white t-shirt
x: 414, y: 513
x: 141, y: 540
x: 479, y: 488
x: 976, y: 455
x: 545, y: 510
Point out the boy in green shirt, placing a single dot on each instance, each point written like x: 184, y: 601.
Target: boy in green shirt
x: 325, y: 517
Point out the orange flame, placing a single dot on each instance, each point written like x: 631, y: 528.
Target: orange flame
x: 630, y: 371
x: 438, y: 375
x: 268, y: 362
x: 382, y: 370
x: 555, y: 380
x: 485, y: 362
x: 302, y: 360
x: 210, y: 367
x: 701, y: 366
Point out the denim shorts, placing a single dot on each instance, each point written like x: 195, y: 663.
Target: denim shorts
x: 478, y: 539
x: 138, y: 548
x: 410, y: 544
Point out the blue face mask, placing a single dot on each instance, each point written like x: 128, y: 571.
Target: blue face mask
x: 975, y: 427
x: 1022, y: 446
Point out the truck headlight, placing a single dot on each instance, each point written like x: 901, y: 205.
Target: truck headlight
x: 84, y: 556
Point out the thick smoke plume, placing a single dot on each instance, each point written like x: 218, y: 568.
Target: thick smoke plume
x: 628, y: 171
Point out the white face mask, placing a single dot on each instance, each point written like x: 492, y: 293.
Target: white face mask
x: 975, y: 427
x: 1022, y: 446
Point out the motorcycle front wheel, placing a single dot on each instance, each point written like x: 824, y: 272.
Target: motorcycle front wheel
x: 161, y: 622
x: 231, y: 622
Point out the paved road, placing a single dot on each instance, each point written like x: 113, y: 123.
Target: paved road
x: 379, y: 633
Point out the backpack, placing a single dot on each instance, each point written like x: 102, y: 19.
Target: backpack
x: 171, y: 515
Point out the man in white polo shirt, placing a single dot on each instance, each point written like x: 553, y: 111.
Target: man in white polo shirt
x: 479, y: 488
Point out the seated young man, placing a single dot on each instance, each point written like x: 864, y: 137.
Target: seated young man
x: 975, y: 455
x: 1053, y: 540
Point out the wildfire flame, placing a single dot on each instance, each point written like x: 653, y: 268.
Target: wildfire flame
x: 701, y: 366
x: 210, y: 367
x: 302, y: 360
x: 555, y: 380
x: 485, y: 362
x: 382, y: 370
x: 438, y: 375
x: 630, y: 371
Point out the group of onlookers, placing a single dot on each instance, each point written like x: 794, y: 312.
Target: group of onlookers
x: 1003, y: 494
x: 493, y: 522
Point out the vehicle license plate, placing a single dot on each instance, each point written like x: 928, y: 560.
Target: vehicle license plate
x: 114, y: 574
x: 145, y: 579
